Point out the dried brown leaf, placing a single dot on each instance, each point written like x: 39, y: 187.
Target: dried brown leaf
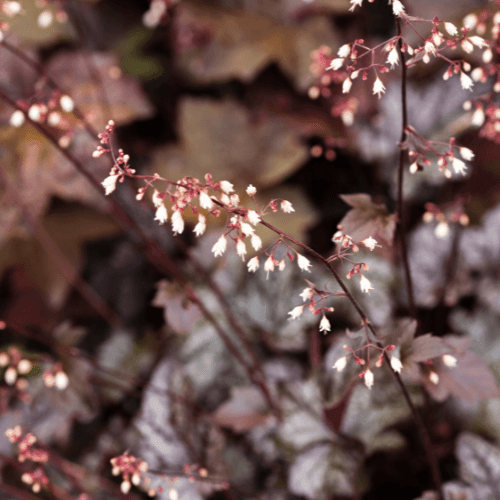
x: 226, y: 44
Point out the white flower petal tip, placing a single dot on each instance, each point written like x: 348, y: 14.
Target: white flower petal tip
x: 396, y: 364
x: 220, y: 246
x: 303, y: 263
x: 340, y: 364
x: 227, y: 187
x: 369, y: 379
x: 370, y: 243
x: 324, y: 325
x: 449, y: 360
x: 109, y: 183
x: 365, y: 284
x: 253, y: 264
x: 434, y: 378
x: 161, y: 214
x: 378, y: 87
x: 296, y: 312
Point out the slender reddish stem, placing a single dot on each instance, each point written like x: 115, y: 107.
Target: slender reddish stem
x: 158, y: 258
x: 400, y: 222
x: 431, y: 457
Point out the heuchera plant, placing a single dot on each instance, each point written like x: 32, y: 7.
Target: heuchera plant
x: 342, y: 73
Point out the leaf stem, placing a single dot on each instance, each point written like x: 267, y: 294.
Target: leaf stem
x: 400, y: 222
x: 160, y: 260
x: 429, y: 450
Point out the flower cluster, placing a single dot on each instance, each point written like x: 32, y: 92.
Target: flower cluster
x: 447, y: 359
x: 204, y: 199
x: 449, y: 155
x: 53, y: 111
x: 484, y: 109
x: 356, y: 60
x: 316, y: 299
x: 55, y: 377
x: 451, y: 213
x: 25, y: 446
x: 347, y: 245
x: 367, y: 374
x: 16, y: 368
x: 131, y: 469
x: 37, y: 478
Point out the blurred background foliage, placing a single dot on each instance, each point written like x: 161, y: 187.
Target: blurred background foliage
x: 225, y: 87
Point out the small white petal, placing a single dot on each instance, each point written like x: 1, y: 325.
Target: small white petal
x: 467, y: 46
x: 336, y: 64
x: 341, y: 363
x: 346, y: 86
x: 451, y: 29
x: 125, y: 487
x: 253, y: 264
x: 449, y: 360
x: 396, y: 364
x: 430, y: 48
x: 466, y: 81
x: 205, y: 201
x: 459, y: 166
x: 269, y: 265
x: 365, y: 284
x: 253, y: 217
x: 177, y: 222
x: 247, y: 229
x: 324, y: 325
x: 378, y: 87
x: 442, y: 229
x: 227, y: 187
x: 67, y: 103
x: 17, y: 118
x: 307, y: 294
x: 467, y: 154
x: 369, y: 378
x: 199, y: 229
x: 397, y: 8
x: 296, y: 312
x: 34, y: 113
x: 370, y: 243
x: 61, y: 381
x: 393, y: 57
x: 256, y: 242
x: 241, y: 249
x: 10, y: 375
x: 478, y: 41
x: 109, y: 184
x: 303, y: 263
x: 478, y: 117
x: 344, y: 51
x: 161, y: 214
x: 220, y: 246
x: 45, y: 19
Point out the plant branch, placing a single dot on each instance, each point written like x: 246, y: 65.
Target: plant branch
x: 400, y: 222
x: 158, y: 258
x: 41, y: 70
x: 431, y: 457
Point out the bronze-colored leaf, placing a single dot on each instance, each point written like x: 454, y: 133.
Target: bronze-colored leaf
x: 367, y: 219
